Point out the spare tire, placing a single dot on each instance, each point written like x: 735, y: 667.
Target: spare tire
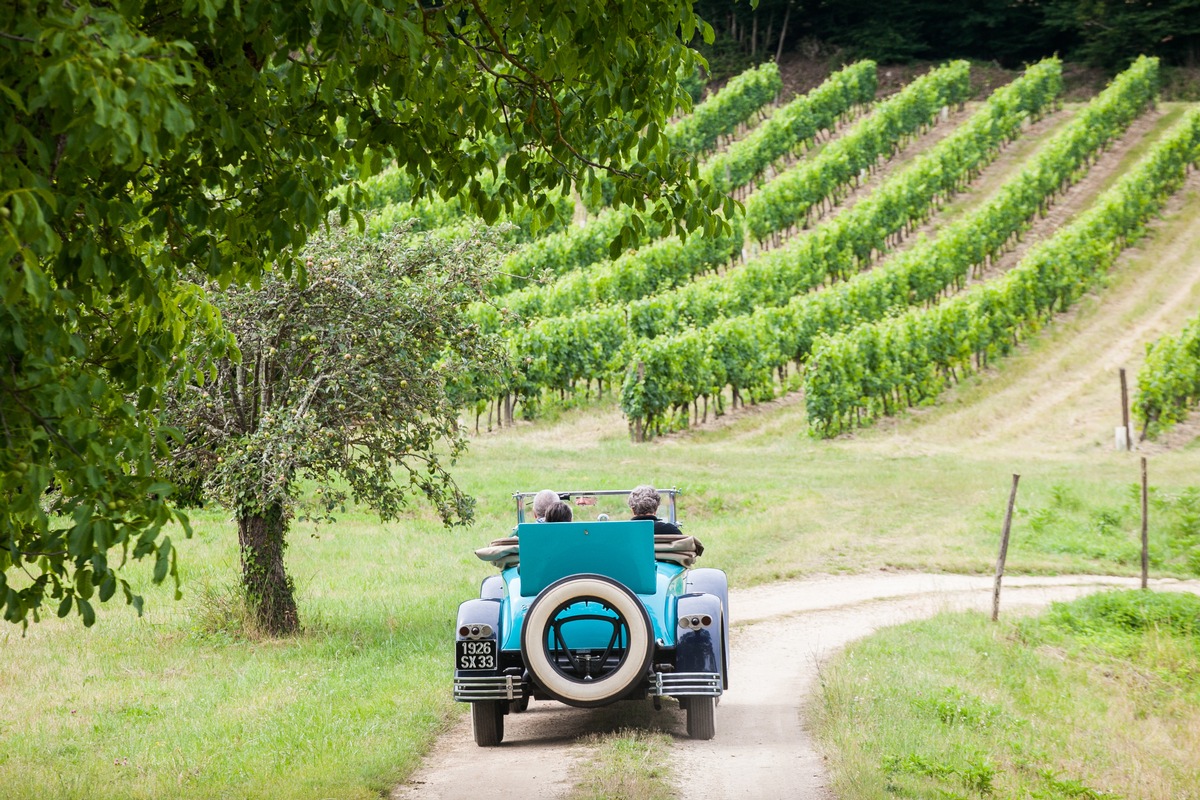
x: 599, y: 672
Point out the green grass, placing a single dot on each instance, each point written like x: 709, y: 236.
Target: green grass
x: 178, y: 704
x: 1099, y: 698
x: 181, y: 704
x: 1108, y: 533
x: 631, y: 763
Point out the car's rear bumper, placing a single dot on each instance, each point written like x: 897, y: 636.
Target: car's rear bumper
x: 685, y: 684
x: 470, y: 688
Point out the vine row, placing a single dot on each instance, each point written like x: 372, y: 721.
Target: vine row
x: 924, y: 93
x: 878, y: 368
x: 790, y: 198
x: 388, y: 195
x: 589, y: 345
x: 742, y: 352
x: 721, y: 114
x: 792, y: 126
x: 851, y: 241
x: 658, y: 266
x: 432, y: 213
x: 579, y: 247
x: 1168, y: 385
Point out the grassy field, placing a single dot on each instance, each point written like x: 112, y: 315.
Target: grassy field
x: 1099, y: 698
x: 180, y: 704
x: 177, y: 704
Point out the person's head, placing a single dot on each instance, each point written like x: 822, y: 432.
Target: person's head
x: 643, y: 501
x: 559, y: 512
x: 542, y: 502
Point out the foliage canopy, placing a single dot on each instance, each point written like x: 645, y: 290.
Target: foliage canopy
x: 1104, y: 33
x: 146, y: 147
x: 347, y: 382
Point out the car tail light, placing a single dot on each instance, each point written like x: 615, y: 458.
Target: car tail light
x: 475, y: 631
x: 695, y: 621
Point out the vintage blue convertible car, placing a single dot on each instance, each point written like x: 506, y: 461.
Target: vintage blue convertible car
x: 591, y: 612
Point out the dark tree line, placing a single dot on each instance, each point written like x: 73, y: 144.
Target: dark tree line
x: 1103, y: 33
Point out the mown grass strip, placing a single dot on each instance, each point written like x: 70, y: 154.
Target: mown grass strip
x: 1098, y: 698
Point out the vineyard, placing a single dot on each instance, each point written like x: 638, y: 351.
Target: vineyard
x: 869, y: 270
x: 946, y: 308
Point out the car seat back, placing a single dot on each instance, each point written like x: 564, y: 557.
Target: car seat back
x: 623, y: 551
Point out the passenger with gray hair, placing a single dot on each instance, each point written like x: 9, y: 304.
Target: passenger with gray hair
x: 542, y: 502
x: 643, y: 502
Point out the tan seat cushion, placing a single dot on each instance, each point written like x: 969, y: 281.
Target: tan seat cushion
x: 503, y: 553
x: 682, y: 550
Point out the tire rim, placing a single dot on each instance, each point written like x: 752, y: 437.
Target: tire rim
x: 587, y: 679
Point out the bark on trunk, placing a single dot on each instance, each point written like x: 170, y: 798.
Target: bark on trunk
x: 268, y: 587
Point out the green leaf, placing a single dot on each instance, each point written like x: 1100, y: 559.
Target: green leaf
x: 162, y: 561
x: 89, y: 613
x: 83, y: 584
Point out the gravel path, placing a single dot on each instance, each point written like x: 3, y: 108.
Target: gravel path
x: 763, y: 749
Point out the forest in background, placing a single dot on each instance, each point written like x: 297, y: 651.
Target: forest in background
x: 1107, y: 34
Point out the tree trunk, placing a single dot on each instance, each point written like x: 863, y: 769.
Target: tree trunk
x: 787, y: 14
x: 268, y: 587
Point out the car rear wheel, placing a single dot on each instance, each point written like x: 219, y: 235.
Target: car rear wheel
x: 701, y: 717
x: 608, y: 665
x: 487, y: 722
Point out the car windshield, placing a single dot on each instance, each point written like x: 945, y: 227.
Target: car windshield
x: 588, y: 505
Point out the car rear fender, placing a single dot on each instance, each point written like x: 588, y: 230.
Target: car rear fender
x: 714, y: 582
x: 711, y: 581
x: 478, y: 625
x: 478, y: 612
x: 699, y: 647
x: 492, y: 588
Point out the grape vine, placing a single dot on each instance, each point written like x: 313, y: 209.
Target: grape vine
x: 792, y: 126
x: 1168, y: 385
x: 785, y: 334
x: 878, y: 368
x: 790, y: 198
x: 825, y: 253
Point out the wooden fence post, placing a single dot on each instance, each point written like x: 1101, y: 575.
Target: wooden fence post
x: 1145, y: 527
x: 1012, y: 500
x: 1125, y: 411
x: 640, y: 431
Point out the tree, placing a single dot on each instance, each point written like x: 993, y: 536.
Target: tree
x: 1112, y: 33
x: 342, y: 383
x: 931, y: 29
x: 145, y: 142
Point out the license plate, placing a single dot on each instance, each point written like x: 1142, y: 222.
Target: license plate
x: 475, y: 655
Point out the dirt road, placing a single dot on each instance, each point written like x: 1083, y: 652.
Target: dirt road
x: 782, y: 635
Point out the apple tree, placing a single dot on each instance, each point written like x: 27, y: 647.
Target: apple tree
x: 343, y: 383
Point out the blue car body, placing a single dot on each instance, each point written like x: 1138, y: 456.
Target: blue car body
x: 590, y: 613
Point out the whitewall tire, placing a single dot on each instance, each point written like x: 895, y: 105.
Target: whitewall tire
x: 631, y: 626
